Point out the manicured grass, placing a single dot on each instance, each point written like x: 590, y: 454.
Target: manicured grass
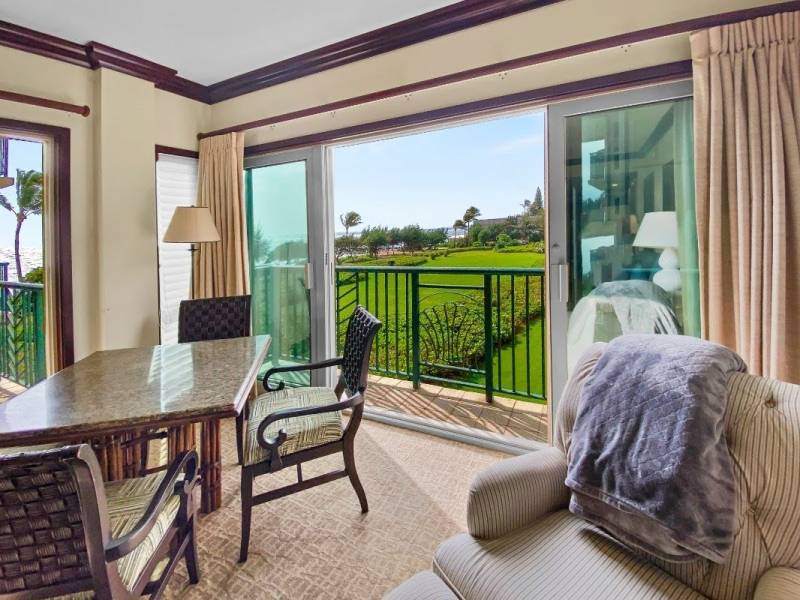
x: 388, y: 296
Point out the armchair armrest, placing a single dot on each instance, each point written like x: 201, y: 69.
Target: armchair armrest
x: 184, y: 464
x: 331, y: 362
x: 778, y: 583
x: 515, y: 492
x: 273, y: 444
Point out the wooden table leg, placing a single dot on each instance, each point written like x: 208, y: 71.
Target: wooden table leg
x: 211, y: 467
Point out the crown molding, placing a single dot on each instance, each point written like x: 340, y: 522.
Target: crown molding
x: 445, y: 20
x: 449, y: 19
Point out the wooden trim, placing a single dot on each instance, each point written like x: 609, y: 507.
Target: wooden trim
x: 456, y: 17
x: 60, y: 137
x: 606, y: 83
x: 176, y: 151
x: 517, y: 63
x: 448, y: 19
x: 94, y: 55
x: 36, y: 42
x: 44, y: 102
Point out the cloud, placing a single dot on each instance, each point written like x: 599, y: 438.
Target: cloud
x: 517, y: 144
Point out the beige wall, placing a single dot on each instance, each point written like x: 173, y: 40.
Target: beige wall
x: 554, y: 26
x: 115, y: 282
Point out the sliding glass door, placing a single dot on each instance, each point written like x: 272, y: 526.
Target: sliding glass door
x: 286, y: 213
x: 622, y: 234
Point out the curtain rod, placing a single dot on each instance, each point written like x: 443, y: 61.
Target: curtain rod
x: 45, y: 102
x: 679, y: 27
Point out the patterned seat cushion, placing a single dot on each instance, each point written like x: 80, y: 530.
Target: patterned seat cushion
x: 301, y: 432
x: 560, y: 556
x: 127, y: 502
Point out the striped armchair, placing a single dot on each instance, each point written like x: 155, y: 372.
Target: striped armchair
x: 523, y: 543
x: 65, y: 533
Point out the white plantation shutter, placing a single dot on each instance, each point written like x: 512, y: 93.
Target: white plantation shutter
x: 176, y: 185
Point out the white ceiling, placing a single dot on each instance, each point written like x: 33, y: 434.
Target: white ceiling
x: 210, y: 40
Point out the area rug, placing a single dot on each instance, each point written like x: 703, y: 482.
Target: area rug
x: 317, y: 544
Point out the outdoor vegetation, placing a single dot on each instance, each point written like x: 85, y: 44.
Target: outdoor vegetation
x: 377, y: 269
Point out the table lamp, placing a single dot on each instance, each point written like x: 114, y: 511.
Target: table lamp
x: 660, y: 230
x: 192, y: 225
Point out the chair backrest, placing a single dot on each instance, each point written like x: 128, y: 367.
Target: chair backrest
x: 762, y: 428
x: 51, y: 529
x: 214, y: 319
x: 361, y: 332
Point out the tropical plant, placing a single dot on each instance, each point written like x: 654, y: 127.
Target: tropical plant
x: 458, y: 225
x: 470, y: 215
x: 538, y: 201
x: 350, y: 219
x: 374, y: 239
x: 30, y: 196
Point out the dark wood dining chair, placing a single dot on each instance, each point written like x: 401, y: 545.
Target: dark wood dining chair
x: 215, y: 319
x: 64, y: 532
x: 288, y: 426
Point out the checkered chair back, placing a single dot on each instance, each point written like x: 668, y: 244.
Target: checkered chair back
x: 214, y: 319
x: 361, y: 332
x: 48, y: 505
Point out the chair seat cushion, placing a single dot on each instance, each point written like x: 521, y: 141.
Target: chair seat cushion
x: 301, y: 432
x: 559, y: 556
x: 422, y: 586
x: 127, y: 502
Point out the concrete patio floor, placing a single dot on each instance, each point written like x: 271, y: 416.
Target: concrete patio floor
x: 505, y: 416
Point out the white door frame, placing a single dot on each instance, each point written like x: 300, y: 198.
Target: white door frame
x: 320, y: 225
x: 558, y: 209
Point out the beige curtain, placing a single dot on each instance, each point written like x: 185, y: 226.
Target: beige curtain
x: 222, y: 268
x: 747, y: 148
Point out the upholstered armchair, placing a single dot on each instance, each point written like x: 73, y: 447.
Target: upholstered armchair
x: 63, y: 532
x: 524, y: 544
x: 288, y: 426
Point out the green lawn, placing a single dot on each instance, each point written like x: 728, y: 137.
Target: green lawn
x: 388, y: 297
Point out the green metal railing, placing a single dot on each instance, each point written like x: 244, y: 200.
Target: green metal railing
x: 463, y: 327
x: 22, y: 346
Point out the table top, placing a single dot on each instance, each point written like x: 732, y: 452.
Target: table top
x: 115, y: 390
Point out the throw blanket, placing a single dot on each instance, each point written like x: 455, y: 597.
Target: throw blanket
x: 649, y: 461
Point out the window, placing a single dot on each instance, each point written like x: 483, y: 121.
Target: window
x: 176, y: 185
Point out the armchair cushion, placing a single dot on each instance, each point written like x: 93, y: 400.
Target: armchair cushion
x: 422, y: 586
x: 559, y: 556
x: 515, y: 492
x: 779, y: 583
x: 127, y: 502
x: 301, y: 432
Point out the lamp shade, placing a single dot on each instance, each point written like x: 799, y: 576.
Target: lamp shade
x: 658, y: 230
x: 192, y: 224
x: 6, y: 181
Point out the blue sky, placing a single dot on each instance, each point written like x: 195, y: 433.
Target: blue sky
x: 431, y: 178
x: 21, y: 155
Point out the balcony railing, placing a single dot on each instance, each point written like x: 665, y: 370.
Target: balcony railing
x: 22, y: 345
x: 464, y: 327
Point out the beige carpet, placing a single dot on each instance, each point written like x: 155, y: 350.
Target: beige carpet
x: 317, y: 544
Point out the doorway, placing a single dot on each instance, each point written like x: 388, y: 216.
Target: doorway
x: 289, y: 262
x: 621, y: 226
x: 36, y: 336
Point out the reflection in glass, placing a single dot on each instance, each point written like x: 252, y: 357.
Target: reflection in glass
x: 633, y: 244
x: 277, y: 219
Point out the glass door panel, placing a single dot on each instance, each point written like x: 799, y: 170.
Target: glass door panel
x: 622, y: 220
x: 280, y: 197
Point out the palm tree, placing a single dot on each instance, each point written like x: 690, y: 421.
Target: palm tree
x: 350, y: 219
x: 457, y: 225
x: 29, y: 186
x: 470, y: 215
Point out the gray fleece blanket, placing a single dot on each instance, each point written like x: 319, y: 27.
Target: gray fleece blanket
x: 648, y: 460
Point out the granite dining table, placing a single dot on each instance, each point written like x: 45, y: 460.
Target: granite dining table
x: 120, y: 400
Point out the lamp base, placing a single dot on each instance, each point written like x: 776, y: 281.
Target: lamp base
x: 669, y: 277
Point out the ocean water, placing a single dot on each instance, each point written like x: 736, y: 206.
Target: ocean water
x: 29, y: 257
